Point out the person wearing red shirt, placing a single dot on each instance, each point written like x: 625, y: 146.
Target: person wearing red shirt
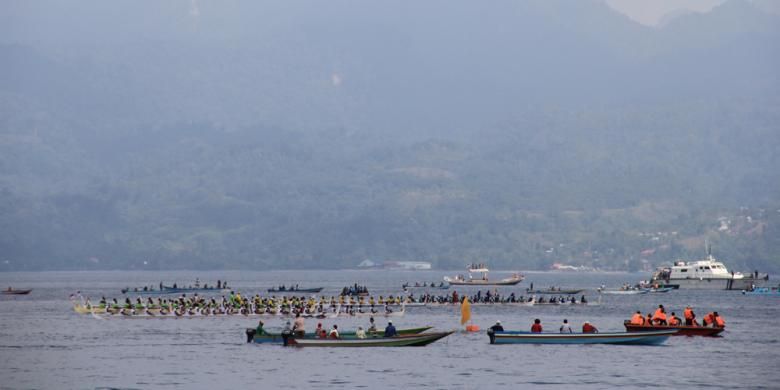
x: 537, y: 326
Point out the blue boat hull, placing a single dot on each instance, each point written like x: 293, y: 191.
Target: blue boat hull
x: 624, y: 338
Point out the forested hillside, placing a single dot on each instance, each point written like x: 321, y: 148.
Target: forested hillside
x: 272, y: 135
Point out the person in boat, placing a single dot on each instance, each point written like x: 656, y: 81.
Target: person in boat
x: 649, y: 320
x: 565, y: 327
x: 637, y: 319
x: 719, y: 321
x: 537, y: 326
x: 334, y: 333
x: 260, y: 331
x: 497, y: 327
x: 390, y: 330
x: 360, y: 333
x: 674, y: 320
x: 659, y: 318
x: 298, y: 327
x: 588, y: 328
x: 690, y: 316
x: 371, y: 325
x: 583, y: 300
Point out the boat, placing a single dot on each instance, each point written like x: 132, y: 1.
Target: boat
x: 417, y: 340
x: 623, y: 291
x: 277, y: 337
x: 763, y: 291
x: 295, y: 290
x: 653, y: 337
x: 174, y: 290
x: 483, y: 280
x: 554, y: 291
x: 657, y: 290
x: 682, y: 330
x: 708, y: 273
x: 433, y: 286
x: 11, y: 291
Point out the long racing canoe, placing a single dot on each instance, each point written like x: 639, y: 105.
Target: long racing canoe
x: 654, y: 337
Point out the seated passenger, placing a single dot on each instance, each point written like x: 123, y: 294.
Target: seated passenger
x: 537, y: 326
x: 588, y: 328
x: 637, y: 319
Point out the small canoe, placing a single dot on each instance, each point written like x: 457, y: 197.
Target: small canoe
x: 417, y: 340
x: 554, y: 292
x: 296, y: 290
x: 654, y: 337
x: 659, y: 290
x: 11, y: 291
x: 171, y: 290
x: 683, y: 330
x: 763, y: 291
x: 277, y: 337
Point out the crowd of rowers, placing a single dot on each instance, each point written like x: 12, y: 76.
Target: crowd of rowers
x: 660, y: 318
x: 492, y: 297
x: 236, y: 304
x: 297, y: 329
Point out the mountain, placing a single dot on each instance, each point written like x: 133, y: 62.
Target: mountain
x: 274, y: 135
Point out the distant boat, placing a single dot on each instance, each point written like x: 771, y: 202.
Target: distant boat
x: 295, y: 290
x: 654, y: 337
x: 11, y: 291
x: 554, y: 291
x: 483, y: 280
x: 763, y: 291
x: 173, y: 290
x: 623, y: 291
x: 708, y: 273
x: 348, y: 335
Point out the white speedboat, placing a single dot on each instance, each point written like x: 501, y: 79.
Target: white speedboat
x: 483, y: 279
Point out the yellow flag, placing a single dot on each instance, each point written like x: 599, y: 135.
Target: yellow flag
x: 465, y: 311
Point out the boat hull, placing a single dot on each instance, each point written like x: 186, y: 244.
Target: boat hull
x: 681, y: 330
x: 401, y: 341
x: 276, y: 338
x: 16, y: 292
x: 479, y: 282
x: 624, y: 292
x: 627, y: 338
x: 301, y: 290
x: 711, y: 283
x: 555, y: 292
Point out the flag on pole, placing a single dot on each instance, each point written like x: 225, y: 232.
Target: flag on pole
x: 465, y: 311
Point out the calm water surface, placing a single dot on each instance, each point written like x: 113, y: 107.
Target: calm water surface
x: 44, y: 344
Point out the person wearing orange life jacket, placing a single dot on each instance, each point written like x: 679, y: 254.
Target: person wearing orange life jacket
x: 588, y: 328
x: 637, y: 319
x: 709, y: 319
x: 649, y: 320
x: 674, y: 320
x: 659, y: 318
x: 719, y: 321
x: 690, y: 316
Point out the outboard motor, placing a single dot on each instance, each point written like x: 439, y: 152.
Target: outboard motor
x: 250, y: 335
x: 492, y: 336
x: 286, y: 334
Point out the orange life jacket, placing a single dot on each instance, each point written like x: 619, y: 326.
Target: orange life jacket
x: 673, y: 321
x: 720, y: 322
x: 637, y: 319
x: 708, y: 319
x: 659, y: 315
x: 688, y: 313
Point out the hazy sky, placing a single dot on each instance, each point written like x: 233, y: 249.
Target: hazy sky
x: 649, y: 12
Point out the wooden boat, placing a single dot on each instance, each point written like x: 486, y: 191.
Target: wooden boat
x: 11, y: 291
x: 295, y: 290
x: 416, y: 340
x: 683, y: 330
x: 654, y: 337
x: 554, y: 291
x: 277, y: 337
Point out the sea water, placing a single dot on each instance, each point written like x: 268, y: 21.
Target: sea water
x: 45, y: 344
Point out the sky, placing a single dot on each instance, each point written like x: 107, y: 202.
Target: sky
x: 650, y: 12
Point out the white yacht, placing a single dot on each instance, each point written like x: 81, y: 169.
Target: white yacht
x: 708, y: 273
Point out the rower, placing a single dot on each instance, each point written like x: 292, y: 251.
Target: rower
x: 390, y: 330
x: 588, y: 328
x: 565, y: 327
x: 537, y: 326
x: 637, y: 319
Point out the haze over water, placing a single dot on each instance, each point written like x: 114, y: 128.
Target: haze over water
x: 44, y: 344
